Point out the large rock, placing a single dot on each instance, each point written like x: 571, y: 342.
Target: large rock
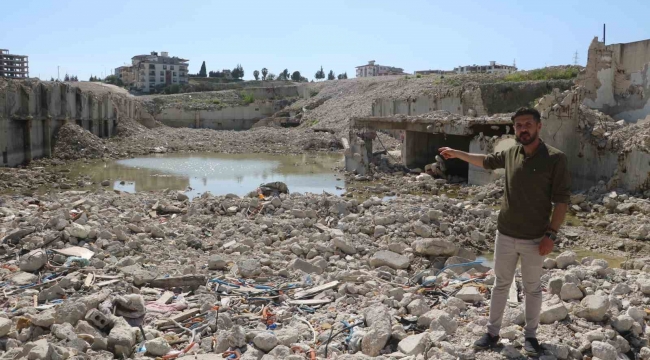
x: 434, y: 247
x: 343, y: 245
x: 33, y: 261
x: 300, y: 264
x: 565, y: 259
x: 216, y: 262
x: 438, y: 320
x: 23, y: 278
x: 553, y: 312
x: 5, y: 326
x: 237, y: 336
x: 422, y: 230
x: 570, y: 291
x: 555, y: 285
x: 121, y: 339
x: 603, y: 351
x: 249, y: 268
x: 644, y: 286
x: 42, y: 350
x: 622, y: 323
x: 378, y: 321
x: 470, y: 294
x: 64, y: 331
x: 414, y: 344
x: 592, y: 308
x: 390, y: 259
x: 265, y: 341
x: 157, y: 347
x: 417, y: 307
x: 78, y: 231
x: 44, y: 319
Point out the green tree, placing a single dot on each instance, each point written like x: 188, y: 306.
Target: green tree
x: 203, y: 72
x: 296, y: 76
x: 331, y: 75
x: 265, y: 72
x: 238, y: 72
x: 284, y: 75
x: 343, y: 76
x: 270, y: 77
x: 51, y: 79
x: 320, y: 74
x: 66, y: 78
x: 256, y: 74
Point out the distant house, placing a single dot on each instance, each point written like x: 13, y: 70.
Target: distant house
x: 148, y: 71
x: 493, y: 68
x: 371, y: 69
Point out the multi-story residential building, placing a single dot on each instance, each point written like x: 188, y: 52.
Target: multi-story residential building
x: 372, y: 69
x: 13, y: 66
x: 125, y: 73
x: 493, y: 68
x: 150, y: 71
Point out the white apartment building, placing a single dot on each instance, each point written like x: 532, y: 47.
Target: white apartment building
x: 153, y: 70
x: 372, y: 69
x: 493, y: 68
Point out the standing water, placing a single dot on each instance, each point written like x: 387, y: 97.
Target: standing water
x: 217, y: 173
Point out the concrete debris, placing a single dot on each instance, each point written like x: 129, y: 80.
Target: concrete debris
x: 354, y: 276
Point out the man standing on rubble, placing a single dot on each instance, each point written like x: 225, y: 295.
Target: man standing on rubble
x: 536, y: 177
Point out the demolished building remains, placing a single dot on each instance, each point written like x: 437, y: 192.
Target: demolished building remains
x: 587, y: 122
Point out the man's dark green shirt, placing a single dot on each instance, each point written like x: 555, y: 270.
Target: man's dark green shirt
x: 533, y: 183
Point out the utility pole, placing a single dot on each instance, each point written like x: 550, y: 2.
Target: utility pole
x: 58, y: 77
x: 604, y: 34
x: 575, y: 58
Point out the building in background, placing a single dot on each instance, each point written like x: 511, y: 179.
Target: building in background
x: 150, y: 71
x: 13, y: 66
x: 372, y: 69
x: 493, y: 68
x: 125, y: 73
x: 434, y: 72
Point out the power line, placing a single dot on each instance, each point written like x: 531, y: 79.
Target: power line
x: 575, y: 58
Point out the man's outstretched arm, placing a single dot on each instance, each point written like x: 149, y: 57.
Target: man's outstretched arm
x: 474, y: 159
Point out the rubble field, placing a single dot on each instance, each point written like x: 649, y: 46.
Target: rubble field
x: 105, y: 274
x: 388, y: 270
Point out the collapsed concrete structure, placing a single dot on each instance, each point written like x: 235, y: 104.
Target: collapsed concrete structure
x: 31, y: 112
x: 592, y: 123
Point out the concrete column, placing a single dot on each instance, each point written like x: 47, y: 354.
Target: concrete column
x: 28, y: 140
x: 47, y: 136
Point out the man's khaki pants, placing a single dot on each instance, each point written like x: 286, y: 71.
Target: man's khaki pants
x: 506, y: 254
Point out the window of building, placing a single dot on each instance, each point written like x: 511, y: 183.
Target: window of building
x: 165, y: 67
x: 162, y: 73
x: 174, y: 73
x: 162, y: 79
x: 172, y: 67
x: 152, y: 66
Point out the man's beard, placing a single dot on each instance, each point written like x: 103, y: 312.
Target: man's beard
x: 529, y: 139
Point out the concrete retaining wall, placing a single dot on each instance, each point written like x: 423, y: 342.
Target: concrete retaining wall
x: 229, y: 118
x: 31, y: 113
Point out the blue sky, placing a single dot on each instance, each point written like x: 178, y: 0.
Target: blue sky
x: 92, y: 37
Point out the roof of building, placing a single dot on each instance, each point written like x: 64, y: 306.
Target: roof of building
x: 434, y: 122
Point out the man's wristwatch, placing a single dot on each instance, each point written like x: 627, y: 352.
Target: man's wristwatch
x: 551, y: 235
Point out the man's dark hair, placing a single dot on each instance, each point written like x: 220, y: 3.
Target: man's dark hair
x: 527, y: 111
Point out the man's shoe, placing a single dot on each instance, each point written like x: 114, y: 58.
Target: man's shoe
x: 531, y: 347
x: 486, y: 341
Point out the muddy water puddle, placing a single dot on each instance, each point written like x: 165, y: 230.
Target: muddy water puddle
x: 217, y: 173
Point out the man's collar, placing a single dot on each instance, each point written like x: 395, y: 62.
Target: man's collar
x: 541, y: 149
